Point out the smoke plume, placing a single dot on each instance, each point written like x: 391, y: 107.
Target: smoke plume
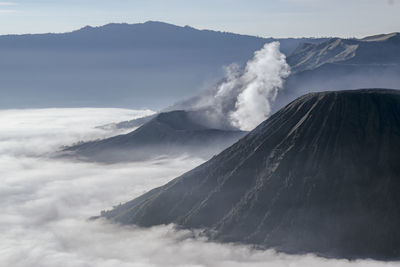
x: 260, y: 82
x: 244, y: 98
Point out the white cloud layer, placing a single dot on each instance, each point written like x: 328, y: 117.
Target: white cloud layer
x: 45, y: 203
x: 39, y: 131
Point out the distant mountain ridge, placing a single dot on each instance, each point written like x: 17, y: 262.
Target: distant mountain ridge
x: 123, y: 35
x: 380, y: 49
x: 342, y: 64
x: 144, y: 65
x: 320, y: 176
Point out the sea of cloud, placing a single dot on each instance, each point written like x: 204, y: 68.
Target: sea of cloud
x: 45, y: 202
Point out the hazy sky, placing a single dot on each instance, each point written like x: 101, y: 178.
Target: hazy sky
x: 278, y: 18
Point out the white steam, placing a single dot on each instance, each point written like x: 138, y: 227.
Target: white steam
x: 244, y: 98
x: 260, y: 82
x: 45, y: 204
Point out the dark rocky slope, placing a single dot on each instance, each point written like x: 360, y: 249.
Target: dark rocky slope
x: 171, y: 133
x: 322, y: 175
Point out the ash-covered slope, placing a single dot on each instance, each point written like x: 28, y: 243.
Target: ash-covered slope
x: 167, y: 134
x: 322, y: 175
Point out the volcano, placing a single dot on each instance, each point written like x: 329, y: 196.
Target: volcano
x: 172, y: 133
x: 322, y: 176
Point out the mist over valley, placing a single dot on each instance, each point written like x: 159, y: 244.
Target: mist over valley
x: 158, y: 144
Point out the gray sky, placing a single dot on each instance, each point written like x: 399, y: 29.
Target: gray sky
x: 278, y: 18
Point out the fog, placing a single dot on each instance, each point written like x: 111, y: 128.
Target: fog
x: 46, y: 202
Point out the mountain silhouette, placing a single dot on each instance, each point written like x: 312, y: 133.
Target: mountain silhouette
x: 171, y: 133
x: 144, y: 65
x: 322, y: 176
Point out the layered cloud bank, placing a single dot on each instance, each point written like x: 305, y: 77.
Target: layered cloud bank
x: 45, y: 203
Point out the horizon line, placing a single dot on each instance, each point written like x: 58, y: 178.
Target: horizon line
x: 194, y: 28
